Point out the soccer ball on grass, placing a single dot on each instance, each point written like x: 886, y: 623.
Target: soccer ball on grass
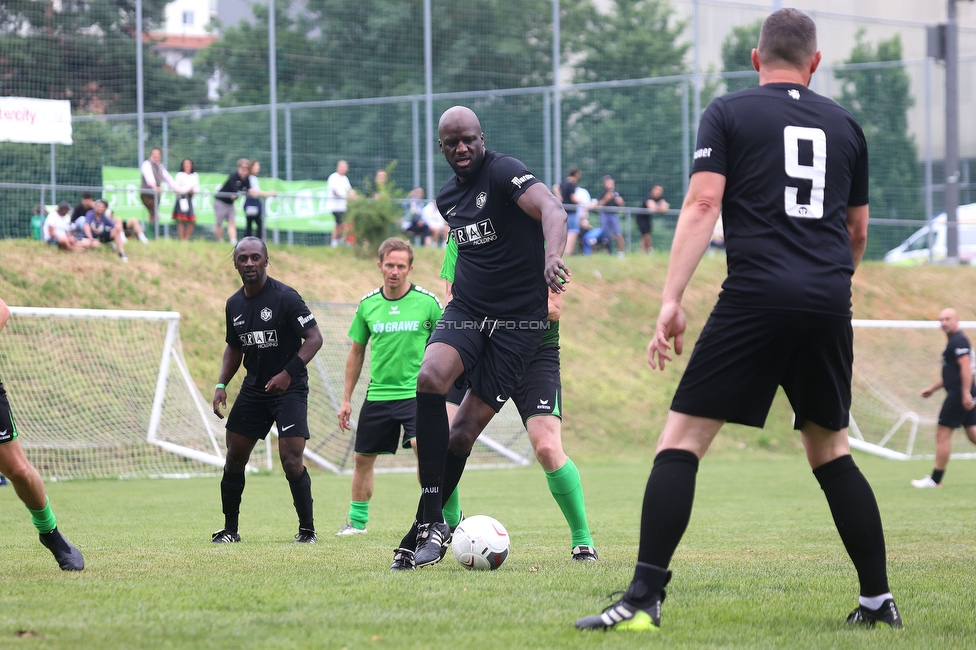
x: 480, y: 543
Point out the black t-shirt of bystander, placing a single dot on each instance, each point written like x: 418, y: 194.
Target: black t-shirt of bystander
x: 957, y: 346
x: 567, y: 188
x: 234, y: 185
x: 501, y: 251
x: 793, y: 162
x: 268, y: 327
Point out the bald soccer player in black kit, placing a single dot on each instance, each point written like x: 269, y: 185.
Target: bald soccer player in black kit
x: 788, y: 168
x: 511, y: 232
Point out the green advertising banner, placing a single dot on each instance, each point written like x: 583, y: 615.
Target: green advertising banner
x: 299, y: 206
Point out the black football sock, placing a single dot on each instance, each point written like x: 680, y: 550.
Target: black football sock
x: 433, y: 432
x: 937, y: 475
x: 301, y: 494
x: 858, y: 520
x: 409, y: 540
x: 453, y: 469
x: 648, y: 584
x: 231, y: 489
x: 668, y: 499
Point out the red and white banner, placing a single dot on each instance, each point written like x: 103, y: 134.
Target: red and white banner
x: 35, y: 120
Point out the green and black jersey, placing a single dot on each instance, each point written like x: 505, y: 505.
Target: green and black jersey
x: 399, y: 330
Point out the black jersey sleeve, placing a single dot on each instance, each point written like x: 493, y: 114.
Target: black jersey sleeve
x: 511, y: 177
x: 300, y: 317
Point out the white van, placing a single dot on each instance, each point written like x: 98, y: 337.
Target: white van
x: 915, y: 249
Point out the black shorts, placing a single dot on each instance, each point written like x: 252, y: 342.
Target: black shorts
x: 953, y: 415
x: 338, y: 216
x: 540, y: 391
x: 8, y: 430
x: 644, y: 224
x: 494, y: 352
x: 742, y: 356
x: 255, y: 411
x: 105, y: 236
x: 378, y: 428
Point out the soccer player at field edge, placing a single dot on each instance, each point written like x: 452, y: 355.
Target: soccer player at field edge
x: 539, y: 401
x: 397, y: 318
x: 959, y: 407
x: 789, y: 170
x: 28, y: 483
x: 510, y: 232
x: 269, y: 328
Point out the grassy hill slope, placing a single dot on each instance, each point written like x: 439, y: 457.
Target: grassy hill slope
x: 614, y: 403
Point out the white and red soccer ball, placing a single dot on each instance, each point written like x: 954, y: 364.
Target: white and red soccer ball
x: 480, y: 543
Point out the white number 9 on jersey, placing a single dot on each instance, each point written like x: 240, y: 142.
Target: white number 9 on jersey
x: 816, y: 173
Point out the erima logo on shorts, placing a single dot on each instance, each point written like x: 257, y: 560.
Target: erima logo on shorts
x: 543, y: 405
x: 475, y: 234
x: 266, y: 314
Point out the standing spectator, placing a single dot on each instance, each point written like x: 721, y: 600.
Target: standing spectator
x: 235, y: 186
x: 653, y: 203
x: 80, y: 210
x: 153, y: 176
x: 397, y: 320
x: 511, y: 232
x: 413, y: 218
x: 338, y: 191
x: 783, y: 317
x: 28, y: 484
x: 610, y: 220
x: 959, y: 407
x: 103, y: 229
x: 269, y: 328
x: 253, y: 204
x: 57, y: 230
x: 567, y: 193
x: 439, y: 230
x: 187, y: 184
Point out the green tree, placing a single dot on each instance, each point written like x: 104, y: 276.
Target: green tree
x: 737, y: 55
x: 879, y: 97
x: 633, y: 133
x: 85, y: 52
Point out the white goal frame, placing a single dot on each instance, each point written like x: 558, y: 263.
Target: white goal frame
x: 195, y: 420
x: 910, y: 426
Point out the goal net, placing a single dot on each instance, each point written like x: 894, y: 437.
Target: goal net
x: 893, y: 362
x: 503, y: 443
x: 106, y: 394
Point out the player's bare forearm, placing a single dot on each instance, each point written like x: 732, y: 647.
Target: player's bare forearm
x: 696, y: 223
x: 311, y: 345
x: 857, y: 230
x: 354, y: 368
x: 4, y: 314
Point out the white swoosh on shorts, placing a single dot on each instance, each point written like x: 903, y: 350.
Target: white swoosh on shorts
x: 288, y: 427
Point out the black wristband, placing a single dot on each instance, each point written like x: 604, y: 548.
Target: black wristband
x: 295, y: 366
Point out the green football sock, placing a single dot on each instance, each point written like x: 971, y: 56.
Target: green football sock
x: 567, y: 490
x: 43, y: 519
x: 359, y: 514
x: 452, y: 509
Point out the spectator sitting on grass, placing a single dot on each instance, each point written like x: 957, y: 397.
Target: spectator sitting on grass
x: 103, y: 229
x: 57, y: 230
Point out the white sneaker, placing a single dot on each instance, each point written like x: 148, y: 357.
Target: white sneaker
x: 124, y: 238
x: 926, y: 482
x: 123, y: 257
x: 349, y: 529
x: 143, y: 238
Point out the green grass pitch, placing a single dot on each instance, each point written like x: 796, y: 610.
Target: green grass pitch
x: 761, y: 565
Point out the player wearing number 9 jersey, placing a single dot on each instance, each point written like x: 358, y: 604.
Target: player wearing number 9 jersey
x: 789, y: 171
